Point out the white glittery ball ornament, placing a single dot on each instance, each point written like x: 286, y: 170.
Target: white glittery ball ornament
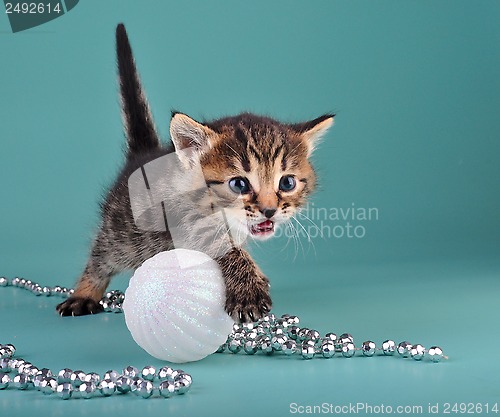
x: 174, y: 306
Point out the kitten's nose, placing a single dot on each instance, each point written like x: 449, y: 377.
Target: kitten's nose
x: 268, y: 212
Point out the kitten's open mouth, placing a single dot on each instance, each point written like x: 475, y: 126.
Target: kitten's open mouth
x: 264, y: 228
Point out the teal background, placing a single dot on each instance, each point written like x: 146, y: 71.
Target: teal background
x: 416, y: 89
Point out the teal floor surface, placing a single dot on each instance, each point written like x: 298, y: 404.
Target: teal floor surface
x: 451, y: 304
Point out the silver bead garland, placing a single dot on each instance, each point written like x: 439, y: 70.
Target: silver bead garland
x: 78, y: 384
x: 268, y: 335
x: 284, y: 336
x: 67, y: 383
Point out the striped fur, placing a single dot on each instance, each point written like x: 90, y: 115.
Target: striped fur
x: 258, y: 149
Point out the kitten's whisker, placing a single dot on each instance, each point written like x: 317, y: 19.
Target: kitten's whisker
x: 295, y: 241
x: 303, y: 228
x: 290, y: 236
x: 314, y: 224
x: 308, y: 236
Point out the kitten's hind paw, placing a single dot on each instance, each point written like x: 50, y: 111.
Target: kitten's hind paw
x: 78, y: 306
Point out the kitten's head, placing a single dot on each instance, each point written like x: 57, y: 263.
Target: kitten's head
x: 256, y: 168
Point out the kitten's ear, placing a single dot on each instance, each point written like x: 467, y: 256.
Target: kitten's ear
x: 190, y: 138
x: 314, y: 130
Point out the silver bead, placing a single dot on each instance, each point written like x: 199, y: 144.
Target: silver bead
x: 107, y: 387
x: 4, y: 353
x: 135, y: 381
x: 182, y: 384
x: 247, y: 326
x: 265, y: 344
x: 368, y: 348
x: 269, y: 318
x: 56, y: 290
x: 251, y: 335
x: 293, y: 320
x: 65, y: 390
x: 435, y: 354
x: 165, y: 373
x: 167, y: 389
x: 48, y: 385
x: 14, y: 364
x: 4, y: 380
x: 250, y: 347
x: 45, y: 372
x: 388, y: 347
x: 93, y: 377
x: 15, y: 281
x: 123, y: 384
x: 130, y: 371
x: 87, y: 390
x: 183, y: 375
x: 37, y: 290
x: 105, y: 305
x: 4, y: 282
x: 46, y: 291
x: 404, y: 349
x: 4, y: 364
x: 148, y: 373
x: 282, y: 322
x: 289, y: 347
x: 71, y: 291
x: 40, y: 376
x: 308, y: 350
x: 263, y: 326
x: 277, y: 331
x: 37, y: 379
x: 348, y: 350
x: 293, y: 332
x: 33, y: 371
x: 240, y: 335
x: 64, y: 376
x: 302, y: 334
x: 77, y: 378
x: 313, y: 335
x: 417, y: 352
x: 327, y: 348
x: 11, y: 348
x: 234, y: 346
x: 20, y: 381
x: 345, y: 338
x: 278, y: 342
x: 332, y: 337
x: 176, y: 373
x: 24, y: 367
x: 144, y: 389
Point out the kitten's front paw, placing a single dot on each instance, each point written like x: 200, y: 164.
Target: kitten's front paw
x: 78, y: 306
x: 249, y: 304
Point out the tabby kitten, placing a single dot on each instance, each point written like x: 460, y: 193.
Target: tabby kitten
x: 228, y: 180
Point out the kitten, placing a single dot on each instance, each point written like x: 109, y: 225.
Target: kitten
x: 228, y: 179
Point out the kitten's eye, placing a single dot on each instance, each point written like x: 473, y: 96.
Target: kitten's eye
x: 239, y: 185
x: 287, y: 183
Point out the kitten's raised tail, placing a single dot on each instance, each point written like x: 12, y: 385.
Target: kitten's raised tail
x: 139, y: 125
